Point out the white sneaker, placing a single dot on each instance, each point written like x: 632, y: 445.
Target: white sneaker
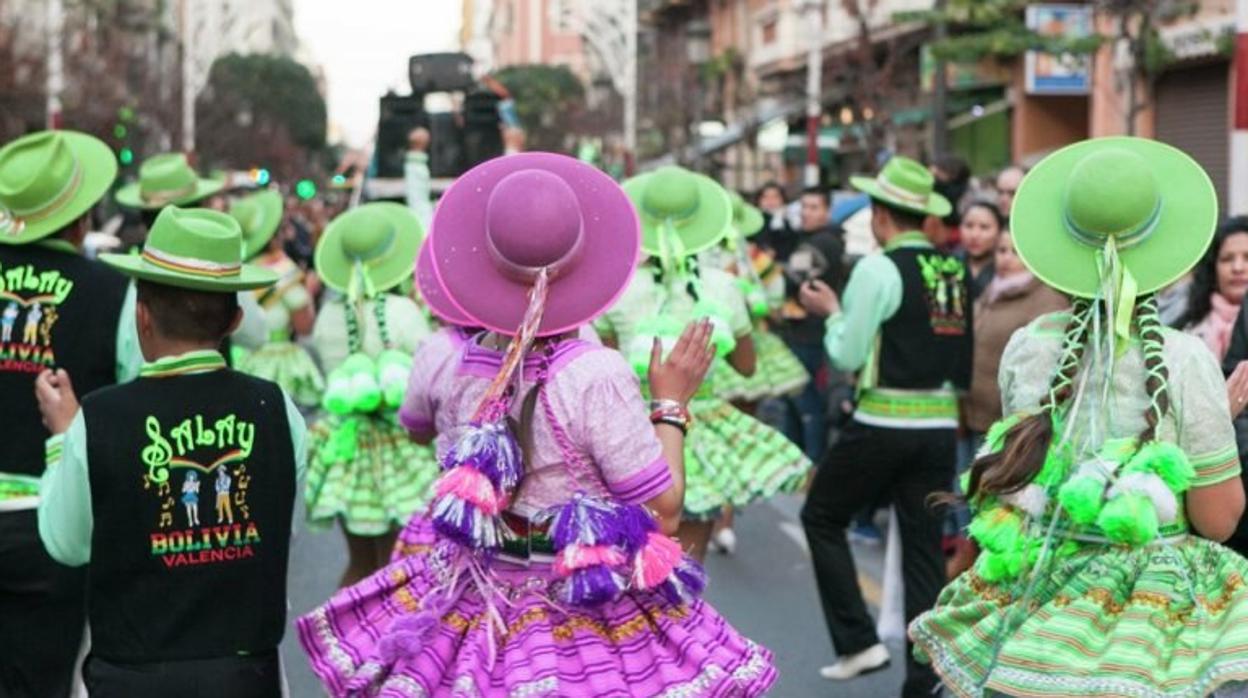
x: 725, y: 541
x: 874, y: 658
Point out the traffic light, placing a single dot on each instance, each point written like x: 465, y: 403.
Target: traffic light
x: 305, y: 189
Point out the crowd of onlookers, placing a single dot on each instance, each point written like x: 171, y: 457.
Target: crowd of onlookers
x: 821, y: 234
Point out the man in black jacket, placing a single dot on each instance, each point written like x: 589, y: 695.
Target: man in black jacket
x: 819, y: 255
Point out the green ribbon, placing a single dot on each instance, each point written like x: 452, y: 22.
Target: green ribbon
x: 671, y: 248
x: 360, y: 281
x: 1119, y: 288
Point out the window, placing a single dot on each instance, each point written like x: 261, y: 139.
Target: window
x: 770, y: 31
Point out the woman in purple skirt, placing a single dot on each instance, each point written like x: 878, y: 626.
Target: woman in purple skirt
x: 544, y: 565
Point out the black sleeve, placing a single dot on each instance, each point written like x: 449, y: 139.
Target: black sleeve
x: 1238, y: 350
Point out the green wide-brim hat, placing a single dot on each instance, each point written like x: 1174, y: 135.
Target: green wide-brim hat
x: 747, y: 218
x: 380, y: 239
x: 259, y: 215
x: 88, y: 167
x: 1154, y: 200
x: 167, y: 179
x: 193, y: 248
x: 697, y: 208
x: 905, y: 184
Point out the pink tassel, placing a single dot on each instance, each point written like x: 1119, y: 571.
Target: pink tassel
x: 469, y: 484
x: 655, y: 561
x: 576, y: 557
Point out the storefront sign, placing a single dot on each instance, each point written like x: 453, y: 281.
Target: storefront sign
x: 1064, y: 74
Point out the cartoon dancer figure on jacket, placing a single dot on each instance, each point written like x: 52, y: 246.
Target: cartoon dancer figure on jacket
x: 190, y: 497
x: 225, y: 512
x: 7, y: 321
x: 30, y: 334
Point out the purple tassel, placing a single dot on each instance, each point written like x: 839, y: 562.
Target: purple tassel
x: 687, y: 582
x: 491, y: 449
x: 462, y: 522
x: 407, y: 636
x: 635, y: 524
x: 586, y: 521
x: 590, y: 586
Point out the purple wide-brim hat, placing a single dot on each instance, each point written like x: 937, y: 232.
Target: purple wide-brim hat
x: 504, y: 220
x: 431, y: 292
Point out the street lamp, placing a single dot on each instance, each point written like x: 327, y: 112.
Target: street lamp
x: 698, y: 53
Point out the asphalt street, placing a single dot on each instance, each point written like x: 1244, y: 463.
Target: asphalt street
x: 767, y: 590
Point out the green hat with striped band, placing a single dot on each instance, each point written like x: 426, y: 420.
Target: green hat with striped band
x: 166, y: 179
x: 1105, y: 197
x: 905, y: 184
x: 682, y: 213
x: 369, y: 249
x: 48, y: 180
x: 193, y: 248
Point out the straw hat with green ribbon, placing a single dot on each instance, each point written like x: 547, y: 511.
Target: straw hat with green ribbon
x: 682, y: 213
x: 369, y: 249
x: 905, y: 184
x: 193, y: 248
x: 1093, y: 219
x: 48, y: 180
x: 747, y: 219
x: 167, y: 179
x: 259, y: 215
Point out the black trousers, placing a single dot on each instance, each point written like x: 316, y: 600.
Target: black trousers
x: 867, y: 465
x: 42, y: 613
x: 251, y: 676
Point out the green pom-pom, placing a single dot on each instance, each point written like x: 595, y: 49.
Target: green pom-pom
x: 964, y: 482
x: 1082, y: 497
x: 665, y: 327
x: 999, y: 529
x: 721, y: 334
x: 999, y: 567
x: 337, y: 396
x: 994, y: 440
x: 341, y: 444
x: 1056, y: 465
x: 1168, y: 461
x: 1130, y: 519
x: 393, y: 368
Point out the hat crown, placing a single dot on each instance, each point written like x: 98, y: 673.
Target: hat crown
x: 35, y: 171
x: 907, y: 175
x: 533, y: 221
x: 165, y: 174
x: 197, y: 236
x: 671, y: 193
x: 368, y: 237
x: 1111, y: 193
x: 248, y: 213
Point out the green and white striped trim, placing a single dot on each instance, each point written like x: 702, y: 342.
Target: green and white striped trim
x: 201, y: 361
x: 907, y: 409
x: 18, y: 492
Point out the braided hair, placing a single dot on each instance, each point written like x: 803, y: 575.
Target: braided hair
x: 1027, y: 443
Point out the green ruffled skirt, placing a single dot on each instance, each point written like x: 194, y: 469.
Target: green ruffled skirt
x: 377, y: 488
x: 290, y: 366
x: 778, y: 373
x: 733, y: 459
x: 1163, y: 621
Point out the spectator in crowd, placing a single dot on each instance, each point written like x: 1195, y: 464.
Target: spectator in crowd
x: 1218, y: 286
x: 1007, y: 183
x: 982, y: 226
x: 953, y: 180
x: 818, y: 256
x: 778, y: 236
x: 1010, y: 302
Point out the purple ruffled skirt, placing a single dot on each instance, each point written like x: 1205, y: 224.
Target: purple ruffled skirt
x: 638, y: 645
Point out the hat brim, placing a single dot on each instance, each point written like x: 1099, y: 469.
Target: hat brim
x: 431, y: 291
x: 133, y: 265
x: 130, y: 196
x: 751, y: 221
x: 254, y: 241
x: 1184, y: 229
x: 701, y: 231
x: 936, y: 205
x: 99, y: 169
x: 491, y: 299
x: 387, y: 271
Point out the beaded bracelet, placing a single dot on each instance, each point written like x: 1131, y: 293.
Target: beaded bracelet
x: 672, y: 413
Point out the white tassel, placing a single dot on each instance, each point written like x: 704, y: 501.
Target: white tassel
x: 1153, y: 487
x: 1032, y: 499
